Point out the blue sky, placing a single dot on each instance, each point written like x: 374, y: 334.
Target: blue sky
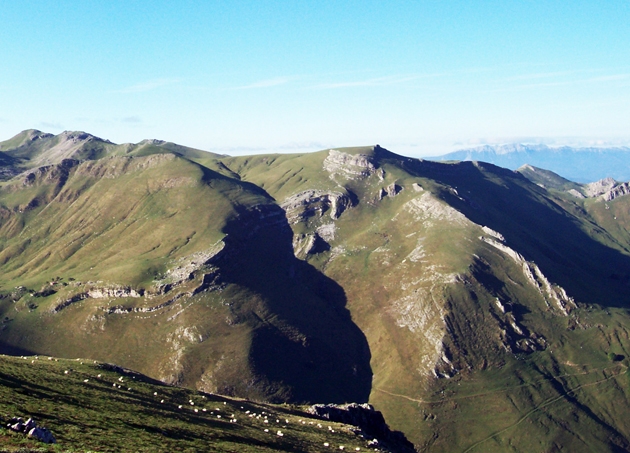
x: 418, y: 77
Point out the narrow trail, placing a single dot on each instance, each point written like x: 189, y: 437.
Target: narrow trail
x: 504, y: 389
x: 404, y: 396
x: 542, y: 405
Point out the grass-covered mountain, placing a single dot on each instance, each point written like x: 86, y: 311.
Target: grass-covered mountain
x: 577, y: 164
x: 476, y: 309
x: 93, y: 406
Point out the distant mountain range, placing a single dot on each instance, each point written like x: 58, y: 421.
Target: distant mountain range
x: 577, y: 164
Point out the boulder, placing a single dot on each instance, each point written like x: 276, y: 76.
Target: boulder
x: 42, y: 435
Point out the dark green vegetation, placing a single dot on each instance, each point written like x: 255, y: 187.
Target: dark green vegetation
x: 476, y: 309
x: 98, y: 407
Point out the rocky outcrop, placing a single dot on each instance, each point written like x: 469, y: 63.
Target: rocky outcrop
x: 390, y: 191
x: 553, y: 295
x: 185, y: 268
x: 67, y: 302
x: 617, y: 191
x: 370, y: 422
x: 98, y: 293
x: 30, y: 428
x: 351, y: 166
x: 102, y: 293
x: 600, y: 187
x: 304, y: 205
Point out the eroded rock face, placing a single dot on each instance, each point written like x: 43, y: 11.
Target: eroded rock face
x: 600, y: 187
x: 554, y: 295
x: 390, y: 191
x: 352, y: 166
x: 102, y: 293
x: 370, y: 422
x: 618, y: 191
x: 309, y: 203
x: 315, y: 207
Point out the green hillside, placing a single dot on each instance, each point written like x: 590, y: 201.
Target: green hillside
x: 93, y: 406
x: 478, y: 310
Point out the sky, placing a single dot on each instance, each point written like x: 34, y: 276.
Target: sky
x: 419, y: 78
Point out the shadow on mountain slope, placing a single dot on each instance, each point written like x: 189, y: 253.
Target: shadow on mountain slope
x: 538, y: 228
x: 305, y: 346
x: 8, y: 349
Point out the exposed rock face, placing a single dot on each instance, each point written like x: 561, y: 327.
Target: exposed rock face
x: 371, y: 423
x: 31, y: 429
x: 390, y: 191
x: 351, y: 166
x: 98, y: 293
x: 186, y: 267
x: 312, y: 206
x: 102, y: 293
x: 618, y: 191
x: 600, y: 187
x: 428, y: 209
x: 576, y: 193
x: 309, y: 203
x: 553, y: 295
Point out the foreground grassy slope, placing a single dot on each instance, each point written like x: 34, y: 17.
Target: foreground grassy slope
x: 91, y: 406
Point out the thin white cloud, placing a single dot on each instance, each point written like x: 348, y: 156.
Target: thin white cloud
x: 541, y: 75
x: 149, y: 85
x: 131, y: 119
x: 565, y: 82
x: 265, y: 83
x: 378, y: 81
x: 610, y: 78
x: 49, y: 125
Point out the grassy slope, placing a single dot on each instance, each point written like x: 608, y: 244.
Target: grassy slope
x: 32, y: 148
x: 105, y: 218
x: 273, y: 328
x: 98, y: 416
x: 122, y: 222
x: 370, y: 259
x: 548, y: 179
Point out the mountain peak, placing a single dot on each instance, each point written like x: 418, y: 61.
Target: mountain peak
x: 78, y: 136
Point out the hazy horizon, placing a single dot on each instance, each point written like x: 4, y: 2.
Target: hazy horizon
x: 420, y: 78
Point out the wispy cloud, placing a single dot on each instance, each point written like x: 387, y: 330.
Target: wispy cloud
x: 378, y: 81
x: 556, y: 79
x: 131, y: 119
x: 293, y: 147
x: 265, y: 83
x: 610, y: 78
x: 149, y: 85
x: 48, y: 125
x: 541, y: 75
